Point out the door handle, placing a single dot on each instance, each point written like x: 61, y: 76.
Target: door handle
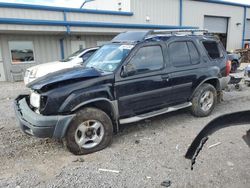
x: 165, y: 77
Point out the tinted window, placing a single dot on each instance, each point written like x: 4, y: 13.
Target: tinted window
x: 179, y: 54
x: 213, y: 49
x: 87, y: 55
x: 194, y: 55
x: 147, y: 59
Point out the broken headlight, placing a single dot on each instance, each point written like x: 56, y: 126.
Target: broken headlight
x: 32, y: 73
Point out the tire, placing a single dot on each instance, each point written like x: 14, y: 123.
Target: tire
x: 199, y: 109
x: 97, y: 128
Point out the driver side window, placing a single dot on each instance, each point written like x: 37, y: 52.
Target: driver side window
x: 147, y: 59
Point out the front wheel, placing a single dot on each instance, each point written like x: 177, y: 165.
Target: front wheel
x: 204, y: 100
x: 90, y: 131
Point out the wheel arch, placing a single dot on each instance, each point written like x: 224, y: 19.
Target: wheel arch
x: 104, y: 104
x: 214, y: 81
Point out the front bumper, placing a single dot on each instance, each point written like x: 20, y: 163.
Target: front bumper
x: 38, y: 125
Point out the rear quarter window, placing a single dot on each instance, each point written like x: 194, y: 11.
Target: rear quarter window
x: 213, y: 49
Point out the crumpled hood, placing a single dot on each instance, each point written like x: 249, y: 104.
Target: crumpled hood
x: 71, y: 74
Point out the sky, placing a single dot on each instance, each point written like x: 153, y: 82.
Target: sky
x: 77, y: 3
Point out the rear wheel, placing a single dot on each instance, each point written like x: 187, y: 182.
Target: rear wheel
x: 204, y: 100
x: 90, y: 131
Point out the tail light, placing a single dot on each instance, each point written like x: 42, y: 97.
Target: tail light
x: 228, y: 67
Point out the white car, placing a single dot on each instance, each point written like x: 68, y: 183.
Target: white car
x: 75, y: 59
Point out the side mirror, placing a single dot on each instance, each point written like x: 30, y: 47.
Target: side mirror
x: 128, y: 70
x: 124, y: 71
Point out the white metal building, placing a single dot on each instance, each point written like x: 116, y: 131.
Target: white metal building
x: 34, y: 34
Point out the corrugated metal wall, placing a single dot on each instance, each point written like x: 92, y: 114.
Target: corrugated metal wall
x: 30, y: 14
x: 194, y: 12
x: 162, y: 12
x: 90, y: 41
x: 46, y: 48
x: 248, y: 13
x: 247, y: 32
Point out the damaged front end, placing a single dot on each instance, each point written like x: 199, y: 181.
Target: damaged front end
x: 227, y: 120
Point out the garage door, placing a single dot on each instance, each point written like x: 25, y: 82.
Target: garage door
x: 247, y: 32
x: 215, y: 24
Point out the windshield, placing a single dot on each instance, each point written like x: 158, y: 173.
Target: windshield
x: 109, y: 57
x: 72, y: 56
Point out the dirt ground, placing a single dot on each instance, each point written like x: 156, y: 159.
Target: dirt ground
x: 144, y: 153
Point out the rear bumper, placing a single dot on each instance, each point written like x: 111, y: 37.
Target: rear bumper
x: 38, y: 125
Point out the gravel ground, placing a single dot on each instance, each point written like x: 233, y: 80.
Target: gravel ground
x: 144, y: 153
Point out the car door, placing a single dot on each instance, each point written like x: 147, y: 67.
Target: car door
x: 185, y: 59
x: 145, y: 87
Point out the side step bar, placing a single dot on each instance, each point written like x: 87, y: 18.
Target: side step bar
x: 155, y: 113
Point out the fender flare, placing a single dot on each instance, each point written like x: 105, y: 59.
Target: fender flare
x: 205, y: 80
x: 113, y: 104
x: 227, y: 120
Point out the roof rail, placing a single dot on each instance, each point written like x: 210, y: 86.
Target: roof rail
x: 153, y: 33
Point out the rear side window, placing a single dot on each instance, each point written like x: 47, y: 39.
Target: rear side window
x: 179, y: 54
x: 213, y: 49
x: 194, y: 55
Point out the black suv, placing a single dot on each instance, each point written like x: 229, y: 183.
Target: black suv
x: 136, y: 76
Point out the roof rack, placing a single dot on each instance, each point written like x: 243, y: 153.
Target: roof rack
x: 154, y: 33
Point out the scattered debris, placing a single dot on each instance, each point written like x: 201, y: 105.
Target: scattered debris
x: 8, y: 98
x: 81, y: 160
x: 166, y: 183
x: 137, y: 141
x: 227, y: 120
x: 1, y: 128
x: 214, y: 145
x: 230, y: 163
x: 107, y: 170
x: 177, y: 147
x: 235, y: 81
x: 245, y: 54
